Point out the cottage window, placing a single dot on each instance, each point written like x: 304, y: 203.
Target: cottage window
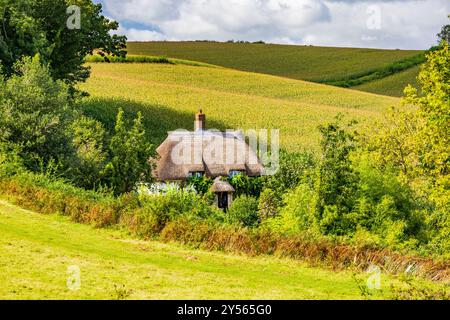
x: 196, y: 174
x: 233, y: 173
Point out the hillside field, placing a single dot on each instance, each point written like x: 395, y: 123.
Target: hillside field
x: 36, y: 250
x: 392, y: 85
x: 170, y: 95
x: 317, y: 64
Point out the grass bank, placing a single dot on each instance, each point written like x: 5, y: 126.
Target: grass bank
x: 36, y: 251
x: 178, y: 222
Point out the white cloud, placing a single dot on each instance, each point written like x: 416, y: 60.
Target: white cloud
x: 143, y: 11
x: 403, y: 23
x: 141, y: 35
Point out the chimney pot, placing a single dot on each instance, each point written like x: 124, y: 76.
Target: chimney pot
x: 199, y: 123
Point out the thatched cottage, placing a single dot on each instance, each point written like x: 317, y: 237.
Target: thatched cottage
x: 210, y: 153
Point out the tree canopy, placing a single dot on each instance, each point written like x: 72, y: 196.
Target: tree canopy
x: 31, y: 27
x: 35, y: 110
x: 444, y: 35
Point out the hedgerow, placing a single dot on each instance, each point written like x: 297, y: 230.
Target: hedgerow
x: 377, y: 73
x: 144, y: 59
x: 187, y: 218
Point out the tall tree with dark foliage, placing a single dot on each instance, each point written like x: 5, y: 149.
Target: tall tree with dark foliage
x: 444, y: 35
x: 30, y: 27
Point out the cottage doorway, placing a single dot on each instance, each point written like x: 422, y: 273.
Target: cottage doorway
x: 224, y: 193
x: 223, y: 200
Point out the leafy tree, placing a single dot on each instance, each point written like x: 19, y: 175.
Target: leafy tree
x: 417, y: 140
x: 130, y: 154
x: 395, y: 141
x: 336, y: 181
x: 444, y: 35
x: 35, y: 112
x: 385, y: 201
x: 294, y: 169
x: 89, y: 143
x: 33, y: 27
x: 433, y: 101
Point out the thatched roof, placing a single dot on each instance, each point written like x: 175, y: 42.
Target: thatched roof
x: 212, y: 152
x: 221, y: 186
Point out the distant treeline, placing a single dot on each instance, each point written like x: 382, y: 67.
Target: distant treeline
x: 129, y: 59
x: 96, y: 58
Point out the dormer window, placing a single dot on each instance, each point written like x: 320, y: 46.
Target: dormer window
x: 195, y: 174
x: 233, y: 173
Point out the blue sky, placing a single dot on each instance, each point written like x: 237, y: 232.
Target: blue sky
x: 402, y: 24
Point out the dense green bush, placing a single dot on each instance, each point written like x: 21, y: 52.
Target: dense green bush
x: 244, y: 211
x: 438, y: 221
x: 201, y: 184
x: 89, y: 141
x: 350, y: 196
x: 385, y: 205
x: 414, y: 140
x: 35, y: 112
x: 245, y: 185
x: 156, y: 210
x: 294, y: 169
x: 269, y: 204
x: 10, y: 161
x: 298, y: 213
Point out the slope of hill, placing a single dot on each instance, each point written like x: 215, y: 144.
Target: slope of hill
x: 392, y: 85
x: 169, y: 95
x: 37, y: 250
x: 318, y: 64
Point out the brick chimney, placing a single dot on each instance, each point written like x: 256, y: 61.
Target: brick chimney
x: 199, y: 123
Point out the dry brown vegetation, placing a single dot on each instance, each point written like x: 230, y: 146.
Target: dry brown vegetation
x: 323, y: 252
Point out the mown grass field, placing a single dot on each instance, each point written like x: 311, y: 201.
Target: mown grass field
x: 169, y: 95
x: 392, y: 85
x: 36, y: 251
x: 298, y: 62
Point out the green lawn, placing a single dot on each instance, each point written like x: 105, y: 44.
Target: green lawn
x: 36, y: 251
x: 298, y: 62
x: 170, y: 95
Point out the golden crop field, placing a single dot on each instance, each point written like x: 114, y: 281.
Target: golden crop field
x: 169, y: 95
